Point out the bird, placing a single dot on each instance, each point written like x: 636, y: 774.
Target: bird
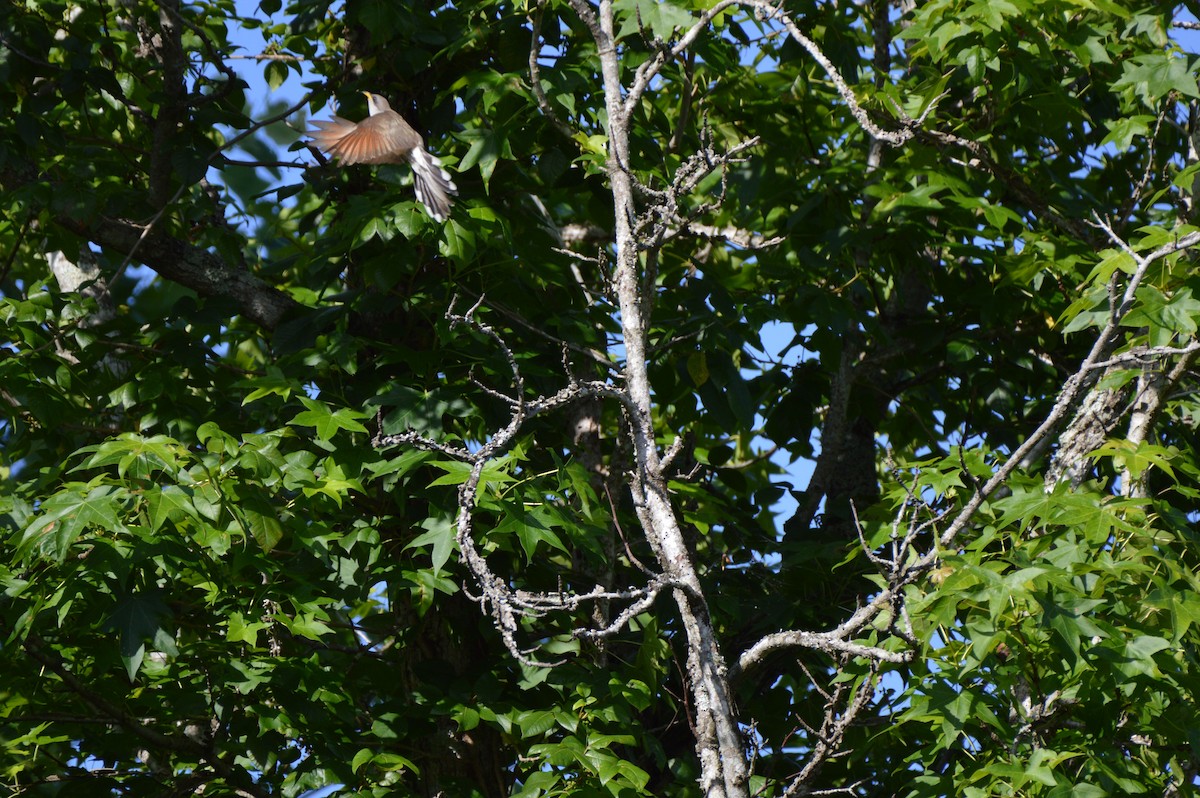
x: 384, y: 137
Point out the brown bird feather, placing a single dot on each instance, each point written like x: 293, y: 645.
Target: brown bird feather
x: 384, y: 137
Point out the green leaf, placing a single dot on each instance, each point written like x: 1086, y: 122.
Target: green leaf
x: 495, y: 473
x: 1152, y: 76
x: 305, y: 624
x: 531, y: 526
x: 1167, y: 317
x: 536, y: 723
x: 169, y: 503
x: 326, y: 420
x: 135, y: 456
x: 265, y: 528
x: 697, y: 366
x: 363, y: 757
x: 441, y: 535
x: 1121, y: 132
x: 66, y: 515
x: 138, y: 617
x: 242, y: 631
x: 661, y: 19
x: 1137, y: 458
x: 1139, y: 654
x: 274, y: 383
x: 275, y: 73
x: 488, y: 147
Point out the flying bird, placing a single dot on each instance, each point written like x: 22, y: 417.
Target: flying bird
x: 384, y: 137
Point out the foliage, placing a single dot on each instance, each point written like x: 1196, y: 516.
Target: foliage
x: 302, y: 488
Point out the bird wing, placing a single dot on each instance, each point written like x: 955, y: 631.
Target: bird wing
x: 382, y: 138
x: 385, y: 137
x: 327, y: 133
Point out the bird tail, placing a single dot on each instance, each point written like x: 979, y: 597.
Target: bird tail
x: 432, y: 183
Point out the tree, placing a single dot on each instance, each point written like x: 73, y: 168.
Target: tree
x: 333, y: 494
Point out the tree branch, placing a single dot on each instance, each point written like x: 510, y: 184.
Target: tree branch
x: 198, y: 269
x: 535, y: 73
x: 38, y: 650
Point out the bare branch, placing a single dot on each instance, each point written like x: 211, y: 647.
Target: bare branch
x: 202, y: 271
x: 1145, y: 355
x: 535, y: 73
x: 39, y: 650
x: 718, y: 739
x: 1072, y: 388
x: 895, y: 138
x: 1153, y: 386
x: 268, y: 57
x: 508, y: 607
x: 826, y: 642
x: 745, y: 239
x: 648, y: 70
x: 168, y: 50
x: 1144, y: 262
x: 827, y: 742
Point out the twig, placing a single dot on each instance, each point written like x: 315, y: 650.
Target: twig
x: 148, y: 226
x: 535, y: 73
x: 268, y: 57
